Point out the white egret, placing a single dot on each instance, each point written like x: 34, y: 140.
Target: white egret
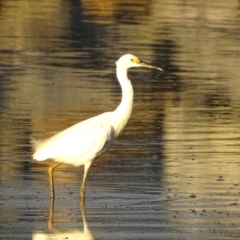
x: 85, y: 141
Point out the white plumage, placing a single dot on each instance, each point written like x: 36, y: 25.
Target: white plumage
x: 78, y: 144
x: 85, y: 141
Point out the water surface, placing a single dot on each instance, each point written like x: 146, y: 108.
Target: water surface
x: 174, y: 171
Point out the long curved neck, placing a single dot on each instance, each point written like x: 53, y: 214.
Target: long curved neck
x: 123, y: 111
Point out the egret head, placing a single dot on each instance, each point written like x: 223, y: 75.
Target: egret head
x: 129, y: 61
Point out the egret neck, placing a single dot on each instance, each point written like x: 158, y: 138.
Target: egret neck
x: 123, y: 111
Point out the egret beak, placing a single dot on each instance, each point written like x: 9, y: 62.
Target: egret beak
x: 143, y: 64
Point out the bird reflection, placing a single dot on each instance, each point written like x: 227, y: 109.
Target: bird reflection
x: 57, y: 234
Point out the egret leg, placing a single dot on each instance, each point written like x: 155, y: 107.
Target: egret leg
x: 87, y: 232
x: 86, y: 168
x: 50, y: 219
x: 50, y: 172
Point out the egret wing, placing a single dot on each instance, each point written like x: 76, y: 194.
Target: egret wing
x: 76, y: 145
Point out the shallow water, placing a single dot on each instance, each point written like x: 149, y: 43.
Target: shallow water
x: 174, y: 171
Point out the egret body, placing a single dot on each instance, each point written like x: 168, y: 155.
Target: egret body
x: 83, y: 142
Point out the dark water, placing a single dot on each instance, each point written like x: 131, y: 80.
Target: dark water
x: 174, y: 172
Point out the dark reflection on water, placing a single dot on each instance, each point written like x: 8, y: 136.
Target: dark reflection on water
x: 174, y: 172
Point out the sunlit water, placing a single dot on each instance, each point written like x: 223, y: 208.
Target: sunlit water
x: 174, y: 171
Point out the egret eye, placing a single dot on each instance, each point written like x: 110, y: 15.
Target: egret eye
x: 135, y: 60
